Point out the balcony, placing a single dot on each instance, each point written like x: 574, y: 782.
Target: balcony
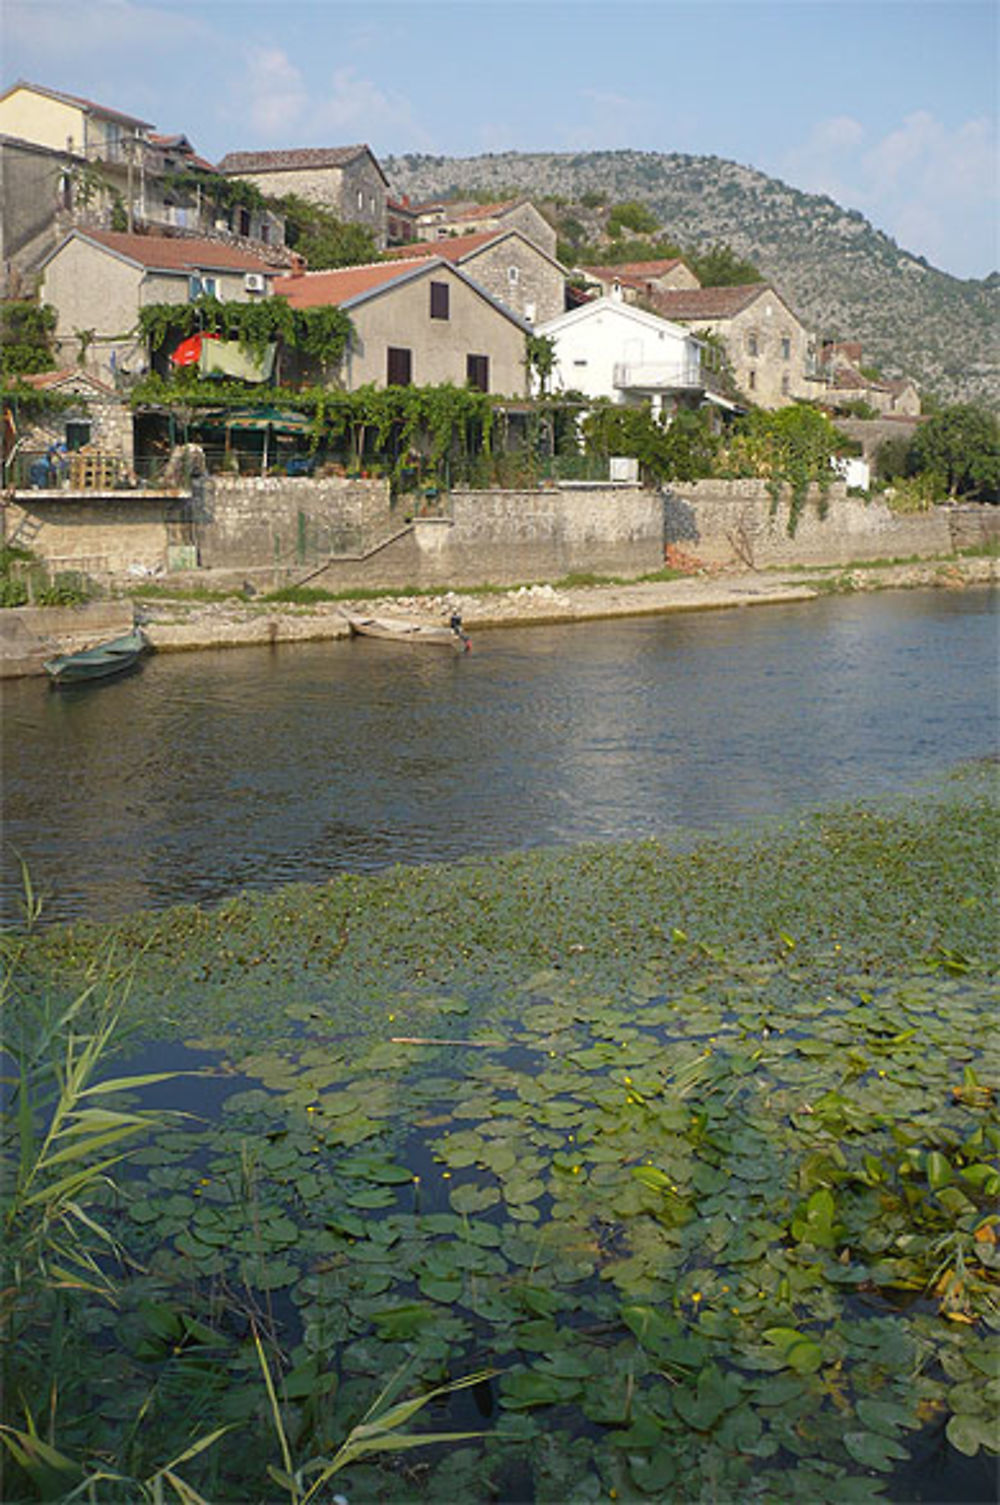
x: 658, y: 376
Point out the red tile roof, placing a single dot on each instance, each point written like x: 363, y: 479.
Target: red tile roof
x: 314, y: 289
x: 707, y: 302
x: 451, y: 247
x: 41, y: 380
x: 640, y: 269
x: 180, y: 253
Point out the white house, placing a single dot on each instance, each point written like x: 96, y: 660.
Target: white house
x: 609, y: 348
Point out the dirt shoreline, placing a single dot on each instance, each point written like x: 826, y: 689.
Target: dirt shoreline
x: 174, y: 626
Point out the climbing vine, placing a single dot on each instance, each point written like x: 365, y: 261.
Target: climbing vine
x: 791, y: 449
x: 322, y: 334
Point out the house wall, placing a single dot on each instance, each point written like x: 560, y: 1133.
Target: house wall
x: 335, y: 188
x: 93, y: 290
x: 537, y: 293
x: 729, y: 522
x: 762, y: 376
x: 401, y: 317
x: 589, y: 347
x: 30, y: 180
x: 37, y: 117
x: 533, y: 224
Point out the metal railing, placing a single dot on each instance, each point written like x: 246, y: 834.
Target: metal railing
x: 657, y: 375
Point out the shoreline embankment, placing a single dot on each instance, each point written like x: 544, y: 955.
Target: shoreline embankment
x: 187, y: 623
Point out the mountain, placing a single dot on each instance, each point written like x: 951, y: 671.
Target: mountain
x: 844, y: 278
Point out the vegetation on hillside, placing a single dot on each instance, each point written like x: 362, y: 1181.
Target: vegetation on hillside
x: 846, y: 279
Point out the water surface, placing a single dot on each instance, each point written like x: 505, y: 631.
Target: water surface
x: 207, y: 773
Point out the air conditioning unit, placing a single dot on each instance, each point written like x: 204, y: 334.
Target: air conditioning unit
x: 255, y: 282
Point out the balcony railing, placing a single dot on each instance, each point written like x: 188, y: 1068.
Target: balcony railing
x: 657, y: 376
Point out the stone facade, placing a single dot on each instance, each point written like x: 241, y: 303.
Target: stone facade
x: 347, y: 181
x: 735, y: 522
x: 769, y: 349
x: 513, y: 270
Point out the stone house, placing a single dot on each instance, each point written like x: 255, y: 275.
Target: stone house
x: 67, y: 161
x: 636, y: 280
x: 423, y: 322
x: 93, y: 416
x: 844, y: 382
x: 609, y: 348
x: 344, y: 179
x: 98, y: 280
x: 769, y: 349
x: 439, y: 220
x: 511, y: 267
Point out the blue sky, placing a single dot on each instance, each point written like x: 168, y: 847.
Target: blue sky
x: 888, y: 106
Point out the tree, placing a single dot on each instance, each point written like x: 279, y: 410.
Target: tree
x: 324, y: 240
x: 26, y: 331
x: 541, y: 359
x: 683, y: 449
x: 631, y: 216
x: 720, y: 266
x: 961, y: 446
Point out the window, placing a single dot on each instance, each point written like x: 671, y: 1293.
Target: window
x: 751, y: 344
x: 477, y: 372
x: 202, y: 287
x: 361, y: 198
x: 513, y: 276
x: 786, y: 349
x: 786, y: 385
x: 752, y: 380
x: 244, y: 222
x: 399, y: 367
x: 439, y: 300
x: 77, y: 433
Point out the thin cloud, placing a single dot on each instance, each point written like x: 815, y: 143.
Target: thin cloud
x: 912, y: 182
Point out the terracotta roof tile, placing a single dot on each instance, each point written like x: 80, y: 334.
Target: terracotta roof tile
x: 707, y: 302
x: 638, y: 269
x: 451, y: 247
x: 179, y: 253
x: 315, y: 289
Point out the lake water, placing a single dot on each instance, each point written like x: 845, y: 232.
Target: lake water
x: 204, y: 774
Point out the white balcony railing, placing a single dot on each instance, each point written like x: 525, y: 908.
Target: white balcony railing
x: 657, y: 376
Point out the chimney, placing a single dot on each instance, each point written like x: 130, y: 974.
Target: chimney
x: 298, y: 265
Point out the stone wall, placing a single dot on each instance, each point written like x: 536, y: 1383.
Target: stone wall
x: 724, y: 522
x: 288, y: 522
x: 106, y: 535
x: 516, y: 537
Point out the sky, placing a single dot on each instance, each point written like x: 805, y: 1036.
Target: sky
x: 887, y: 106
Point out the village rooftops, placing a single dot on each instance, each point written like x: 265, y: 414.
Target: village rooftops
x: 294, y: 159
x: 87, y: 105
x: 343, y: 287
x: 170, y: 253
x: 708, y: 302
x: 642, y: 270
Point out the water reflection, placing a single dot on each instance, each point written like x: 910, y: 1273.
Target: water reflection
x: 212, y: 772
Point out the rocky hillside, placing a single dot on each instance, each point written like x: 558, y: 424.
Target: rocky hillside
x: 845, y: 279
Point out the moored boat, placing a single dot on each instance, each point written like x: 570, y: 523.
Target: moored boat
x: 98, y: 662
x: 412, y: 630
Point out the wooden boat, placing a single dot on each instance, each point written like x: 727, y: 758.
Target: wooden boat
x: 97, y: 662
x: 412, y: 630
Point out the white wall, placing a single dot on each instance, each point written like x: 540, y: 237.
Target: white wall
x: 592, y: 342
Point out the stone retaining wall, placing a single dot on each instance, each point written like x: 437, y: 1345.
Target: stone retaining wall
x: 513, y: 537
x: 288, y: 522
x: 729, y: 522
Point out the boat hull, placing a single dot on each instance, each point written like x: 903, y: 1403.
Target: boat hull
x: 409, y: 630
x: 99, y: 662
